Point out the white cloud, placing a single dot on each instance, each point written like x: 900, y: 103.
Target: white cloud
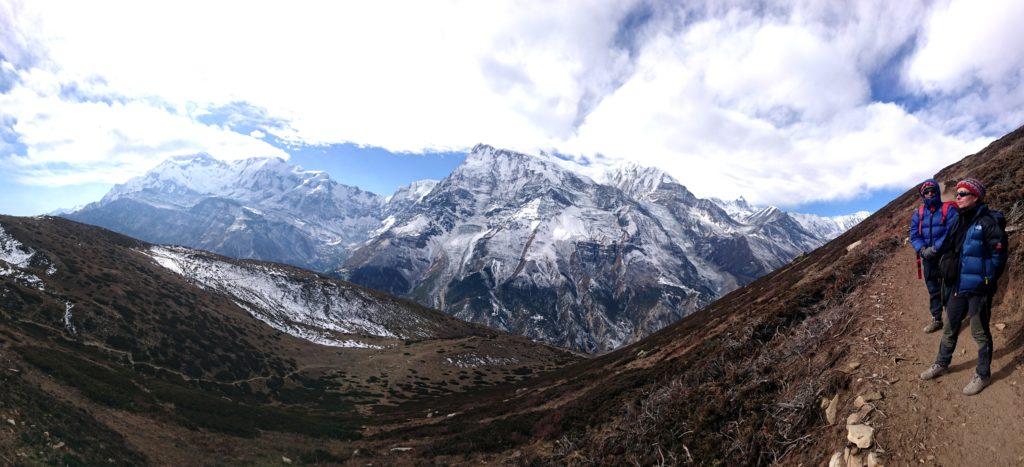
x: 72, y: 142
x: 773, y: 101
x: 973, y: 56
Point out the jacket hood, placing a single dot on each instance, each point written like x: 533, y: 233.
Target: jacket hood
x: 934, y: 202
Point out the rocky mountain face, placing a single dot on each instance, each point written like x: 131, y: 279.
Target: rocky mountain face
x: 255, y: 208
x: 514, y: 241
x: 522, y: 244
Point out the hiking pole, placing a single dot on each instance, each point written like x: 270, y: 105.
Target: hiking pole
x: 919, y: 274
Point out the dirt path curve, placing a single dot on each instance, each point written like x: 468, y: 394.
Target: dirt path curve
x: 931, y: 422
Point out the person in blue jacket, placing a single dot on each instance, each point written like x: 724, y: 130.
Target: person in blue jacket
x: 976, y: 249
x: 928, y: 229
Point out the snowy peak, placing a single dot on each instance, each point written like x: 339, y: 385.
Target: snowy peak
x: 829, y: 227
x: 492, y: 174
x: 409, y: 195
x: 638, y: 181
x: 259, y: 208
x: 414, y: 191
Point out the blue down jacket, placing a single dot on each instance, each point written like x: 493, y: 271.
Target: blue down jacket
x: 929, y: 229
x: 983, y: 254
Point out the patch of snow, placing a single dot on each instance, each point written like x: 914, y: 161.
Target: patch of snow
x: 312, y: 309
x: 475, y: 361
x: 21, y: 276
x: 68, y: 324
x: 414, y: 225
x: 13, y: 252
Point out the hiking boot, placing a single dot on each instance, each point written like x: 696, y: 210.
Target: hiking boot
x: 932, y: 327
x: 933, y: 371
x: 976, y: 385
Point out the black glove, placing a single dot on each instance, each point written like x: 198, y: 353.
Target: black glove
x: 928, y: 253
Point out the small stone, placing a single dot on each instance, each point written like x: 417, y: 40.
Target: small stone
x: 867, y: 397
x: 11, y: 422
x: 858, y: 416
x: 861, y: 435
x: 853, y: 366
x: 830, y: 411
x: 823, y: 403
x: 58, y: 445
x: 837, y: 460
x: 875, y: 460
x: 929, y: 458
x: 1001, y: 326
x: 853, y: 245
x: 286, y: 460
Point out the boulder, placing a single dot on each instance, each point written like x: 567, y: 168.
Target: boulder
x: 830, y: 411
x: 860, y: 435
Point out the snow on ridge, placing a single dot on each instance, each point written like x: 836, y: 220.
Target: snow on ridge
x: 13, y: 252
x: 315, y: 311
x: 18, y: 257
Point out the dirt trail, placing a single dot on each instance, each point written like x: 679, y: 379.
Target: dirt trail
x: 931, y: 422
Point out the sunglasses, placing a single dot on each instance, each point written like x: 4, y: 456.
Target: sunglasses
x: 963, y: 194
x: 929, y: 191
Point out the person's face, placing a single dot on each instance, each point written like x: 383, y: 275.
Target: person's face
x: 965, y: 199
x: 930, y: 192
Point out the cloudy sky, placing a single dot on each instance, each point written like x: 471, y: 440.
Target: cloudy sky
x: 821, y: 106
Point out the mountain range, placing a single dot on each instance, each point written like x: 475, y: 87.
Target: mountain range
x: 118, y: 351
x: 517, y: 242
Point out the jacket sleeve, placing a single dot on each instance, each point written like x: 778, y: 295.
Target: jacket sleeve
x: 996, y: 240
x: 951, y: 217
x: 915, y: 238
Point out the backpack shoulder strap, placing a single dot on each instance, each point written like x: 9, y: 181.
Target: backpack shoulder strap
x: 945, y: 209
x: 920, y: 219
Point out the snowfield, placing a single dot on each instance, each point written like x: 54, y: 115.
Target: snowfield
x: 317, y: 310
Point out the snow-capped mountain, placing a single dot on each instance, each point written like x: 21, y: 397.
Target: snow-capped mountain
x: 829, y: 227
x: 517, y: 242
x: 255, y: 208
x: 521, y: 243
x: 821, y: 227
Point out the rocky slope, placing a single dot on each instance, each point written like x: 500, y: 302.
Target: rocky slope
x: 522, y: 244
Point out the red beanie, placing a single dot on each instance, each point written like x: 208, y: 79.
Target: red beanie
x: 974, y: 186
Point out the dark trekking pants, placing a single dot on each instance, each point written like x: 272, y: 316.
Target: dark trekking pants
x: 979, y: 309
x: 937, y: 294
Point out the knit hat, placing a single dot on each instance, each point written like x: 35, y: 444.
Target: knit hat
x: 928, y: 184
x: 972, y: 185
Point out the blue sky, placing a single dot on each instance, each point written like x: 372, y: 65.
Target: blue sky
x: 822, y: 107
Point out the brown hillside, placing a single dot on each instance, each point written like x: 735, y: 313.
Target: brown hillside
x: 149, y: 367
